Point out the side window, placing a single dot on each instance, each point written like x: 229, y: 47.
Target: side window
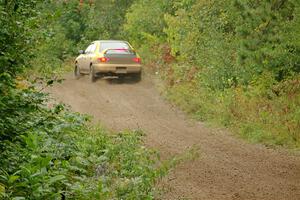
x: 93, y: 48
x: 88, y: 49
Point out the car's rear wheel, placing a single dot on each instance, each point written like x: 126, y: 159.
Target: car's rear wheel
x: 92, y: 74
x: 77, y: 73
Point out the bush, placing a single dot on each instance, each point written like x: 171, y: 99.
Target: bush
x: 46, y: 151
x: 50, y: 153
x: 232, y: 61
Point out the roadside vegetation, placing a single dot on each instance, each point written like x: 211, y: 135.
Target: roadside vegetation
x: 231, y: 62
x: 47, y: 151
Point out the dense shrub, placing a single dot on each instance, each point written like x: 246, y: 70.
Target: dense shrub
x: 46, y: 151
x: 234, y: 61
x: 16, y: 35
x: 50, y: 153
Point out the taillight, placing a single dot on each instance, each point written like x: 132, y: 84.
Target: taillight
x: 137, y: 60
x: 103, y: 59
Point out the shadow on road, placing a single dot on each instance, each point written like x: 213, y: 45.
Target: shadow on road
x: 123, y: 80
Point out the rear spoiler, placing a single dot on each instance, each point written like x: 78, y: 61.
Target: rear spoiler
x: 106, y: 50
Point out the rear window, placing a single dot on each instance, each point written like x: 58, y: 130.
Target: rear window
x: 115, y: 47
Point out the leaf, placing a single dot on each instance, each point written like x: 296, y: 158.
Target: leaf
x: 58, y: 108
x: 18, y: 198
x: 13, y: 178
x: 56, y: 178
x: 43, y: 162
x: 2, y: 189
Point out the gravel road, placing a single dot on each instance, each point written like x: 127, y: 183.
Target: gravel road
x: 227, y: 168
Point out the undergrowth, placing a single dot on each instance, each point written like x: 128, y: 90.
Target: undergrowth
x: 234, y: 63
x: 48, y: 152
x: 265, y: 114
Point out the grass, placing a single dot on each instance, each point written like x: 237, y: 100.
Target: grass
x: 256, y: 114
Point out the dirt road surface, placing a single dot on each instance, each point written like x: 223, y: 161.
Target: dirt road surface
x: 227, y: 168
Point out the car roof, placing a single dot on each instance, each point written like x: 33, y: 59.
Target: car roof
x: 110, y: 41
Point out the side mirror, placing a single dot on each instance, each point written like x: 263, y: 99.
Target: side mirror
x: 81, y: 51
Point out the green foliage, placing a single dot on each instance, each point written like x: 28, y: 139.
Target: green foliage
x: 257, y: 113
x: 66, y: 26
x: 60, y: 32
x: 203, y: 37
x: 141, y: 25
x: 17, y: 22
x: 144, y: 27
x: 267, y: 32
x: 46, y: 151
x: 233, y: 42
x: 106, y: 19
x: 236, y: 62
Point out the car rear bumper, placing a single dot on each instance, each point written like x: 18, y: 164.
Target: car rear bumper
x: 117, y: 69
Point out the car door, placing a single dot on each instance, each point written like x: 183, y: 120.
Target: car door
x: 80, y: 61
x: 90, y: 55
x: 84, y: 65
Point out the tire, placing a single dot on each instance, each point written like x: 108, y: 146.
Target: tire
x: 92, y: 74
x: 137, y: 77
x: 77, y: 73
